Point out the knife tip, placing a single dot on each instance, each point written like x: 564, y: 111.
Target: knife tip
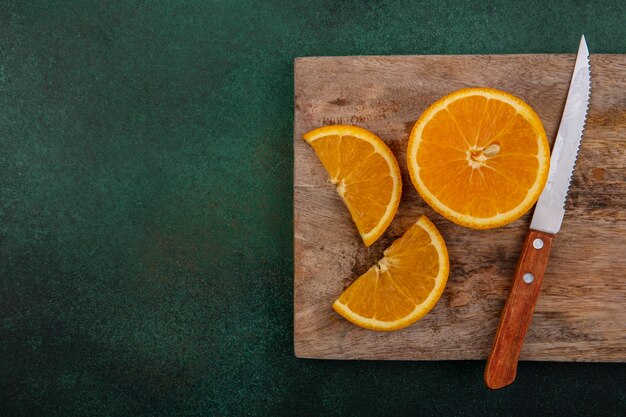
x: 582, y: 47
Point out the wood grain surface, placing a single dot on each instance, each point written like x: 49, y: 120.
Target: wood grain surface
x: 581, y: 311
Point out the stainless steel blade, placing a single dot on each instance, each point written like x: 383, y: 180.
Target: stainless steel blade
x: 550, y: 207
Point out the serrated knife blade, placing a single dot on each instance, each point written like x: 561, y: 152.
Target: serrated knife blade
x: 519, y: 307
x: 550, y: 207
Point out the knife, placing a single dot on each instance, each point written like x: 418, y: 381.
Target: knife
x: 547, y: 218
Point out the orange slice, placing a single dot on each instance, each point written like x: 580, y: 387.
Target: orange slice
x: 479, y: 157
x: 365, y: 172
x: 403, y: 286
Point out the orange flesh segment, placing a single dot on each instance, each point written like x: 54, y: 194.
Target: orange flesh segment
x: 403, y: 286
x: 480, y: 159
x: 365, y: 173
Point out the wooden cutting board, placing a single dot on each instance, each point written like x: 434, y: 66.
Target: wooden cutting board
x: 581, y: 313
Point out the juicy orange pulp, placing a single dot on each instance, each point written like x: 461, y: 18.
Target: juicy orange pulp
x: 479, y: 157
x: 403, y: 286
x: 365, y: 173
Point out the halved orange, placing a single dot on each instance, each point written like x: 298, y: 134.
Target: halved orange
x: 403, y: 286
x: 365, y: 172
x: 479, y: 157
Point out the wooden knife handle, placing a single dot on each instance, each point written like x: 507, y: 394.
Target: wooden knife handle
x: 518, y: 310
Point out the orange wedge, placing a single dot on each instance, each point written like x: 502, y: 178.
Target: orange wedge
x: 403, y: 286
x: 479, y: 157
x: 365, y: 173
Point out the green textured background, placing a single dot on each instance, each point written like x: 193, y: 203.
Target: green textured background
x: 146, y: 207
